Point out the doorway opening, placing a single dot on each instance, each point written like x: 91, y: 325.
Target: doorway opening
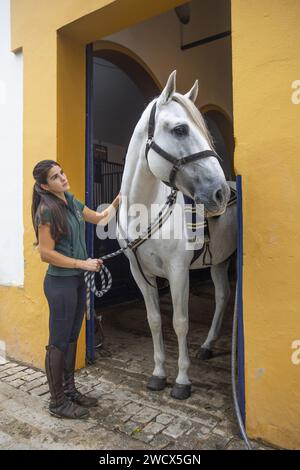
x: 197, y: 49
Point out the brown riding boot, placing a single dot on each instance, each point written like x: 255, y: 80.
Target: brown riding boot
x: 69, y: 383
x: 60, y: 405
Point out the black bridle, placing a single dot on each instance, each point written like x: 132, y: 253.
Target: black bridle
x: 177, y: 162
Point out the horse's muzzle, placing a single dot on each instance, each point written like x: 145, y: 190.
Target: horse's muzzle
x: 215, y: 201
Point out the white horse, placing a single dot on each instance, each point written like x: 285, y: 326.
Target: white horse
x: 177, y: 127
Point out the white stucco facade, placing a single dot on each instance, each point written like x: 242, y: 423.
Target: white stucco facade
x: 11, y: 138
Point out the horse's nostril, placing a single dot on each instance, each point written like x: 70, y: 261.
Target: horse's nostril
x: 219, y: 196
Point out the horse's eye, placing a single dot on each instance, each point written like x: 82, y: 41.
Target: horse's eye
x: 181, y: 130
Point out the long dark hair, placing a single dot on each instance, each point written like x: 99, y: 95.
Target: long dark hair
x: 42, y: 199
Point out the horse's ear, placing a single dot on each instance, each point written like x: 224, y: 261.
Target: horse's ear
x: 193, y: 93
x: 169, y: 90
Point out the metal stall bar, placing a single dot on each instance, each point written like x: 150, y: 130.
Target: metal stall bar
x: 89, y: 195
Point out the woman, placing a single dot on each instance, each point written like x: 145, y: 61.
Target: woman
x: 59, y: 223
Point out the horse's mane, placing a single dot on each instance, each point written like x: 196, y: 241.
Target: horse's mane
x: 195, y: 115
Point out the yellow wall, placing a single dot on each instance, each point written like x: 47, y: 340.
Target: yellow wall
x: 53, y: 36
x: 266, y: 60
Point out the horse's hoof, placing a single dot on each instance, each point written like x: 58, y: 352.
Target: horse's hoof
x: 157, y: 383
x: 181, y: 392
x: 204, y: 354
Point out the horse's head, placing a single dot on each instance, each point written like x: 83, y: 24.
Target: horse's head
x: 177, y: 130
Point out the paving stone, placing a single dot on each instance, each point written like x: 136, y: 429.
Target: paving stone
x: 35, y: 375
x: 20, y: 375
x: 19, y: 367
x: 11, y: 372
x: 195, y: 430
x: 143, y: 437
x: 84, y: 389
x: 164, y: 418
x: 8, y: 365
x: 4, y: 374
x: 215, y: 412
x: 161, y: 441
x: 3, y: 397
x: 120, y: 397
x: 135, y: 368
x: 204, y: 419
x: 114, y: 421
x: 17, y: 446
x: 103, y: 388
x: 213, y: 399
x: 16, y: 382
x: 28, y: 377
x: 153, y: 428
x: 177, y: 428
x: 134, y: 397
x: 88, y: 379
x: 132, y: 409
x: 45, y: 397
x: 226, y: 429
x: 115, y: 376
x: 130, y: 427
x: 43, y: 389
x: 34, y: 384
x: 3, y: 359
x: 192, y: 440
x: 104, y: 409
x: 4, y: 439
x: 213, y: 442
x: 5, y: 418
x: 30, y: 371
x: 145, y: 415
x: 41, y: 419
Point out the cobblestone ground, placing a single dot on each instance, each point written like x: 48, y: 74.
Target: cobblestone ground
x: 129, y: 416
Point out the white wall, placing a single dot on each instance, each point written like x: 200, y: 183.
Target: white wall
x: 157, y: 41
x: 11, y: 173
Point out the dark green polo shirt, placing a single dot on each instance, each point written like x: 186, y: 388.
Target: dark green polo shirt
x: 72, y: 245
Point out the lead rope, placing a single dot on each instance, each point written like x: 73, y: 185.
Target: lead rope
x: 105, y: 275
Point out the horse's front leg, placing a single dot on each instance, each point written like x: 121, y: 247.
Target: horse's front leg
x: 158, y: 380
x: 179, y: 285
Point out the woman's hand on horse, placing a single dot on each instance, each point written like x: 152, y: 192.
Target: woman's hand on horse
x: 90, y: 264
x: 116, y: 202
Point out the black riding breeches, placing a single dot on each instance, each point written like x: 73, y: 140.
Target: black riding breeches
x: 66, y: 297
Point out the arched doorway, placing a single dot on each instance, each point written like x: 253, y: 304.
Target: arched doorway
x: 122, y: 88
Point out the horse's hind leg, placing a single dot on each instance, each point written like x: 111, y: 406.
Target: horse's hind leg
x: 219, y: 274
x: 158, y: 380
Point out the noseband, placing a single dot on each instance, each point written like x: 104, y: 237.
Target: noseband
x: 177, y: 162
